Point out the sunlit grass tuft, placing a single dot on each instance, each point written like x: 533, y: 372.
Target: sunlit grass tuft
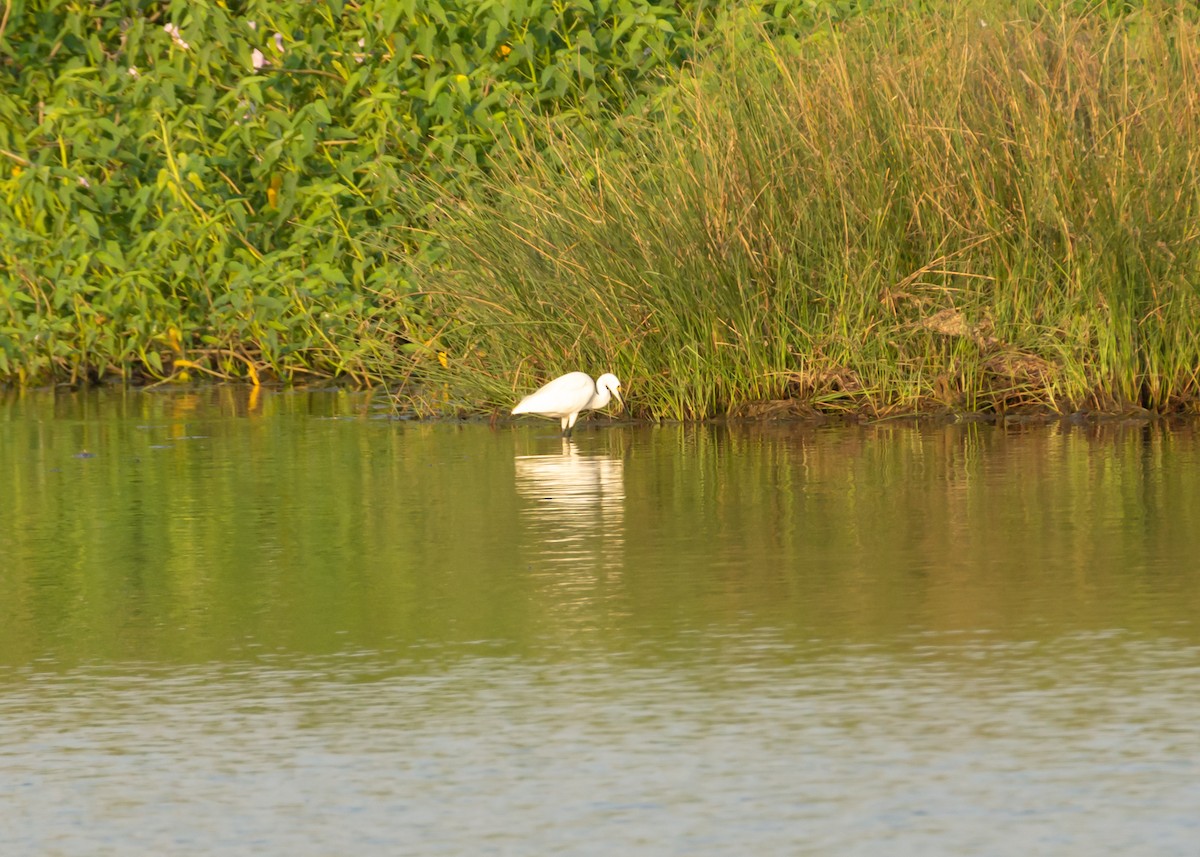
x: 925, y: 211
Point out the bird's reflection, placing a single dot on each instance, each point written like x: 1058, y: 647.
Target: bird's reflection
x: 575, y: 506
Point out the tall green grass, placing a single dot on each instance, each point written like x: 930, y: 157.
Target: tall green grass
x: 908, y: 211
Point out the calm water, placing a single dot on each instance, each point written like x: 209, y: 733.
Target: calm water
x: 284, y: 624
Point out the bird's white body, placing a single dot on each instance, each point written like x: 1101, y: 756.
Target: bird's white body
x: 568, y: 395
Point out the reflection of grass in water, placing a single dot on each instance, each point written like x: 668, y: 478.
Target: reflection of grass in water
x: 915, y: 211
x: 285, y: 531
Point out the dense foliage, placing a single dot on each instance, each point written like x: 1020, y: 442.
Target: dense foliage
x: 222, y: 186
x: 839, y: 204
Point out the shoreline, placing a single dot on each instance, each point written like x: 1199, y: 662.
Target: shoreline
x: 753, y: 413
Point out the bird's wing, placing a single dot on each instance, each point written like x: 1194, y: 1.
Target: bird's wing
x: 566, y: 394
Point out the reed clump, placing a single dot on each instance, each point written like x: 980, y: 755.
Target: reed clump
x: 944, y: 210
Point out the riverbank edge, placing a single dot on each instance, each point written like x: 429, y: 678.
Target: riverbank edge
x: 408, y: 406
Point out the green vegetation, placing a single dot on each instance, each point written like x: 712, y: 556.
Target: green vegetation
x: 908, y: 212
x: 185, y: 187
x: 748, y: 209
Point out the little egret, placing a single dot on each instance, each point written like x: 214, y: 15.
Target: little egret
x: 566, y: 396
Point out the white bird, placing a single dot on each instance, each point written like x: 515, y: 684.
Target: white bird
x: 567, y: 395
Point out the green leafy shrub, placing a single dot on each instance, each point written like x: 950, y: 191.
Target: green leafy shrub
x: 222, y: 187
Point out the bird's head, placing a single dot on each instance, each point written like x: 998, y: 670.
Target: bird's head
x: 609, y: 381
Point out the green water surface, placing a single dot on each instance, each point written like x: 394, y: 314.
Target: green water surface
x: 237, y: 622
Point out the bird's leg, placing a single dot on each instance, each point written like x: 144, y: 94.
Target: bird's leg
x: 566, y: 426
